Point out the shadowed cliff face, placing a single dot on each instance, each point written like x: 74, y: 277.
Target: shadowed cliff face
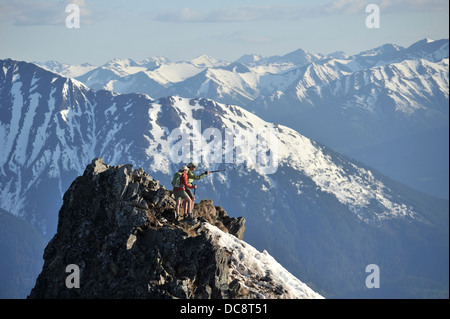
x: 118, y: 227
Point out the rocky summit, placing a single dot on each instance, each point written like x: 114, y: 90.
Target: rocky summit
x: 118, y: 237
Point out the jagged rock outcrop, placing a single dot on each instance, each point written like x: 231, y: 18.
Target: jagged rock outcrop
x: 118, y: 226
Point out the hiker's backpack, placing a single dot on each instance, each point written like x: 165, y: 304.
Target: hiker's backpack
x: 176, y: 181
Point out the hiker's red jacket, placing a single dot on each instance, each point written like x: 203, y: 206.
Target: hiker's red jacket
x: 184, y: 183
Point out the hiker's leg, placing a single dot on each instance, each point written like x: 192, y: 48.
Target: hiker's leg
x: 184, y: 198
x: 191, y: 201
x: 192, y: 207
x: 177, y: 207
x: 186, y: 206
x: 180, y: 197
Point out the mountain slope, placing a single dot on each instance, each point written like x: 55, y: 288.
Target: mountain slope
x: 322, y: 215
x: 21, y: 247
x: 370, y: 101
x: 349, y: 103
x: 391, y: 101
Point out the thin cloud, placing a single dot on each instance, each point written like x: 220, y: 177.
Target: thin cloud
x: 386, y: 6
x: 293, y: 12
x: 414, y: 5
x: 229, y: 14
x: 40, y: 13
x: 240, y: 37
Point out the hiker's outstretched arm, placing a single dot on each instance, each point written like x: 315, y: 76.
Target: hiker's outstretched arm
x: 197, y: 177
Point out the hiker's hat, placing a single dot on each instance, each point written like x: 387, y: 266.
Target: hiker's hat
x: 192, y: 164
x: 184, y: 168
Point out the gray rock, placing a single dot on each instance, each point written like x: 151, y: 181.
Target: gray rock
x: 118, y: 226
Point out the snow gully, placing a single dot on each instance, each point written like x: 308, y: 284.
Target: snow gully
x: 257, y: 147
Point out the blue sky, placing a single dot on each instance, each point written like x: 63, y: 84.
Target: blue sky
x: 35, y: 30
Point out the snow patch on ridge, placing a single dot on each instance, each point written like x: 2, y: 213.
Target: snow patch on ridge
x: 247, y: 262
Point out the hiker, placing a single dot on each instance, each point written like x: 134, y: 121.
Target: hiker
x: 191, y: 177
x: 180, y: 185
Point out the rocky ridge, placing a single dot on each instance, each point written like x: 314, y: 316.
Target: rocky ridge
x: 118, y: 225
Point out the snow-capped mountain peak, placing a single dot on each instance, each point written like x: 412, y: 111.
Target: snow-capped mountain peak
x: 353, y: 186
x: 384, y: 49
x: 123, y: 63
x: 249, y: 59
x: 206, y: 61
x: 66, y: 70
x: 421, y: 43
x: 123, y: 67
x: 154, y: 62
x: 300, y: 57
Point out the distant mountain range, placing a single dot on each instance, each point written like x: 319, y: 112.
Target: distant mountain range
x: 374, y: 102
x: 322, y: 215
